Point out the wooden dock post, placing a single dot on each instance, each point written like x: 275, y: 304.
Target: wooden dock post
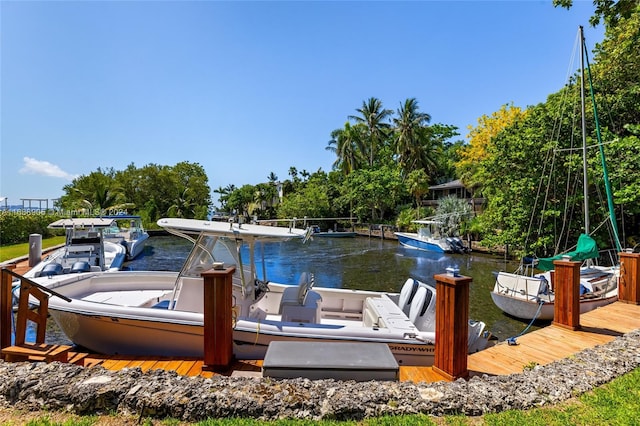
x: 566, y: 311
x: 218, y: 321
x: 629, y: 283
x: 452, y: 326
x: 6, y: 308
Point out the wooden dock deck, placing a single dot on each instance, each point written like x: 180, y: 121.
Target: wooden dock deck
x: 552, y: 343
x: 541, y: 347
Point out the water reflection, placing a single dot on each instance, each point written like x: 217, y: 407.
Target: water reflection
x: 356, y: 263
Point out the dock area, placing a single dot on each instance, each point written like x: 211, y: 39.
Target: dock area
x: 538, y: 347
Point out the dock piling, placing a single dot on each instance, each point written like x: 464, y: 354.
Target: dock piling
x: 566, y: 313
x: 629, y: 284
x: 218, y: 321
x: 6, y: 308
x: 452, y: 326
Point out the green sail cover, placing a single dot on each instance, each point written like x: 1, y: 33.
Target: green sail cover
x: 586, y: 249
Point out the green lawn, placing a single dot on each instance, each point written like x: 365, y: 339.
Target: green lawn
x: 17, y: 250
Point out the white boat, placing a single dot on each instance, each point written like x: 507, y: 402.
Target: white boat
x: 85, y: 249
x: 428, y: 238
x: 161, y: 313
x: 529, y: 295
x: 128, y: 231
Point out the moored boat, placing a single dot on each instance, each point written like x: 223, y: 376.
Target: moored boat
x: 85, y: 249
x: 128, y: 231
x: 161, y: 313
x: 428, y: 238
x: 529, y: 295
x: 330, y: 233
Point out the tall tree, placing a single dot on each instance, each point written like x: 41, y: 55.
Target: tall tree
x: 480, y: 140
x: 375, y: 117
x: 610, y: 11
x: 347, y: 144
x: 409, y: 135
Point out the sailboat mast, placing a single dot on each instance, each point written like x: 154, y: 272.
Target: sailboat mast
x: 585, y: 185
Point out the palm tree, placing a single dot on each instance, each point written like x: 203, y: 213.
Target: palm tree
x: 347, y: 144
x: 224, y: 194
x: 373, y: 116
x: 182, y: 206
x: 409, y: 135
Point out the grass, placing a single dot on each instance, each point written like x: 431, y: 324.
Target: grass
x: 616, y: 403
x: 17, y: 250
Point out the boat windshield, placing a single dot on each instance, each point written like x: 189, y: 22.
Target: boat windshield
x: 207, y: 249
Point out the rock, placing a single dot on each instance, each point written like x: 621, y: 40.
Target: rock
x: 162, y: 394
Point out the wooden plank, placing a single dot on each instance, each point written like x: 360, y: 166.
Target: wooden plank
x: 185, y: 367
x: 196, y: 368
x: 418, y: 374
x: 36, y: 352
x: 148, y: 364
x: 91, y: 360
x: 161, y: 364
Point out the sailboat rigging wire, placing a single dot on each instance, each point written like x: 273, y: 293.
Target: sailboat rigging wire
x: 552, y: 155
x: 602, y: 157
x: 596, y: 145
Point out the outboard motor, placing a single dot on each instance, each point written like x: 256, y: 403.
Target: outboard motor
x: 456, y: 245
x: 51, y: 269
x: 79, y: 267
x: 423, y: 308
x: 407, y: 294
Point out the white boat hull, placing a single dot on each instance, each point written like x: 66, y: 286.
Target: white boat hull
x: 528, y: 310
x: 107, y: 316
x: 135, y: 247
x: 526, y: 297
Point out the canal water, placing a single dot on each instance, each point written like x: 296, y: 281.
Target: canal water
x: 358, y: 263
x: 355, y: 263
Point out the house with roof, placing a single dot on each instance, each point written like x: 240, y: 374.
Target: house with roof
x: 455, y: 188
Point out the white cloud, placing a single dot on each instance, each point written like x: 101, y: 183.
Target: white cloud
x: 45, y: 168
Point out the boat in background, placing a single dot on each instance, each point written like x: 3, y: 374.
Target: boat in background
x: 428, y: 238
x: 85, y: 250
x: 331, y: 233
x: 128, y: 231
x: 161, y: 313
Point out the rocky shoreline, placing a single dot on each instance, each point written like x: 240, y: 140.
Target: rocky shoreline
x: 164, y: 394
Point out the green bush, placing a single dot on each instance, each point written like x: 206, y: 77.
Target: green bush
x: 15, y: 227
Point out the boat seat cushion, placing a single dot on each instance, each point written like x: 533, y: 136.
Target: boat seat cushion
x: 310, y: 312
x: 296, y: 295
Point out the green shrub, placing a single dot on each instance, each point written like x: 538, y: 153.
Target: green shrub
x: 15, y: 227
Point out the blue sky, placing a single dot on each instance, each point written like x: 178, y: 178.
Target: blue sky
x: 249, y: 88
